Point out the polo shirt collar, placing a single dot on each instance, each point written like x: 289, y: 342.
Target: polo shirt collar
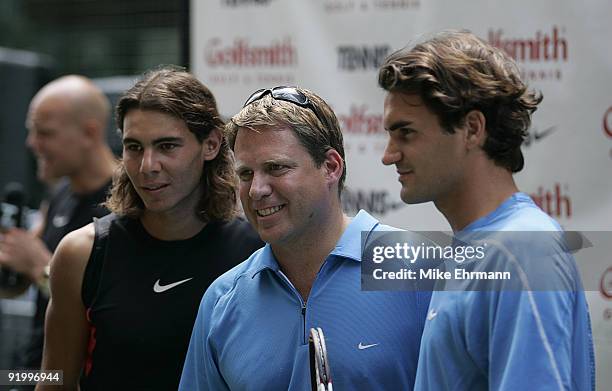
x: 349, y: 245
x: 265, y: 260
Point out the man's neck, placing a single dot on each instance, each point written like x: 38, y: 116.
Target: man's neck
x: 481, y: 192
x: 177, y: 223
x: 172, y: 226
x: 302, y: 259
x: 95, y: 173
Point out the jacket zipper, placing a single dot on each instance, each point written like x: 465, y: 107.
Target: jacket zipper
x: 305, y: 340
x: 303, y: 306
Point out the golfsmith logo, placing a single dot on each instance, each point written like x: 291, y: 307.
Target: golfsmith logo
x: 607, y: 125
x: 361, y: 122
x: 241, y: 53
x: 541, y: 55
x: 605, y: 285
x: 556, y: 202
x: 607, y: 122
x: 541, y: 47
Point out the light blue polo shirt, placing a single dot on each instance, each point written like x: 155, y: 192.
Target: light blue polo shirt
x: 251, y: 332
x: 511, y: 340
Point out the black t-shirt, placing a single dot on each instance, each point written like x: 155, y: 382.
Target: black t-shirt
x: 142, y: 296
x: 67, y: 212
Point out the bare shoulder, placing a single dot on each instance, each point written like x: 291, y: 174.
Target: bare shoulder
x: 66, y: 325
x: 72, y: 253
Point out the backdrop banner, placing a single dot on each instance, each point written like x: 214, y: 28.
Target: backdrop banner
x: 334, y: 48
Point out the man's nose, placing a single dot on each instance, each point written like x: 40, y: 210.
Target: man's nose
x: 32, y: 141
x: 260, y: 187
x: 150, y: 162
x: 391, y: 154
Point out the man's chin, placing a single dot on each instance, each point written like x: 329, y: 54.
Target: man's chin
x: 45, y: 175
x: 411, y: 198
x: 266, y: 237
x: 270, y: 236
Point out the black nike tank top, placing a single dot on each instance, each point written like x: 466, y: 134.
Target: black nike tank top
x: 142, y: 296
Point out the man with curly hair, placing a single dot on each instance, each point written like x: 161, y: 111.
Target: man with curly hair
x: 456, y: 113
x: 125, y: 289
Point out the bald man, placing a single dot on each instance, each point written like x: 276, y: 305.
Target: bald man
x: 67, y: 119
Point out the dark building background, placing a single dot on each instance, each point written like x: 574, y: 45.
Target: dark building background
x: 110, y: 41
x: 98, y: 38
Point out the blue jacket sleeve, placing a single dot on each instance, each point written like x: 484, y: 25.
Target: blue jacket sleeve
x: 201, y: 371
x: 530, y: 340
x: 533, y: 339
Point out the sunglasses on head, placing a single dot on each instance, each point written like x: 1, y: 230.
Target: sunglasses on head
x: 287, y: 94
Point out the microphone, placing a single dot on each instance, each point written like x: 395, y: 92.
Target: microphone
x: 15, y: 195
x: 12, y: 215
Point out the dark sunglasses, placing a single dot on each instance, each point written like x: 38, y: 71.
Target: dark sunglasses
x: 288, y: 94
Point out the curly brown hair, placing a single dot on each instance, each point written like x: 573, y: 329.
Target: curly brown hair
x: 173, y: 91
x: 456, y: 72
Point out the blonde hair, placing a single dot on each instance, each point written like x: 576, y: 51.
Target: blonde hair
x: 316, y: 137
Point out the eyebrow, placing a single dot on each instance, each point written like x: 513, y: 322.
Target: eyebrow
x: 157, y: 141
x: 242, y: 167
x: 398, y: 125
x: 284, y: 161
x: 277, y: 160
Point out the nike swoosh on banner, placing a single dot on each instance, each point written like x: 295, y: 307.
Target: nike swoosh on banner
x: 361, y: 347
x: 540, y: 135
x: 157, y: 288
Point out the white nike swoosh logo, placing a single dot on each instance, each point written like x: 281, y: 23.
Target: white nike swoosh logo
x: 59, y: 221
x: 432, y: 314
x: 157, y: 288
x: 361, y: 347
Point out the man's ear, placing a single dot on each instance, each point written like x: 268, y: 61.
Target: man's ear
x: 476, y: 129
x: 333, y: 166
x: 212, y: 144
x: 91, y: 131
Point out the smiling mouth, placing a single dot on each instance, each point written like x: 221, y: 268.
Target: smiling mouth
x: 154, y: 188
x: 268, y: 211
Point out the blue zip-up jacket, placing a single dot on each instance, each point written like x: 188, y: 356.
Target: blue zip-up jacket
x: 251, y: 331
x: 537, y: 337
